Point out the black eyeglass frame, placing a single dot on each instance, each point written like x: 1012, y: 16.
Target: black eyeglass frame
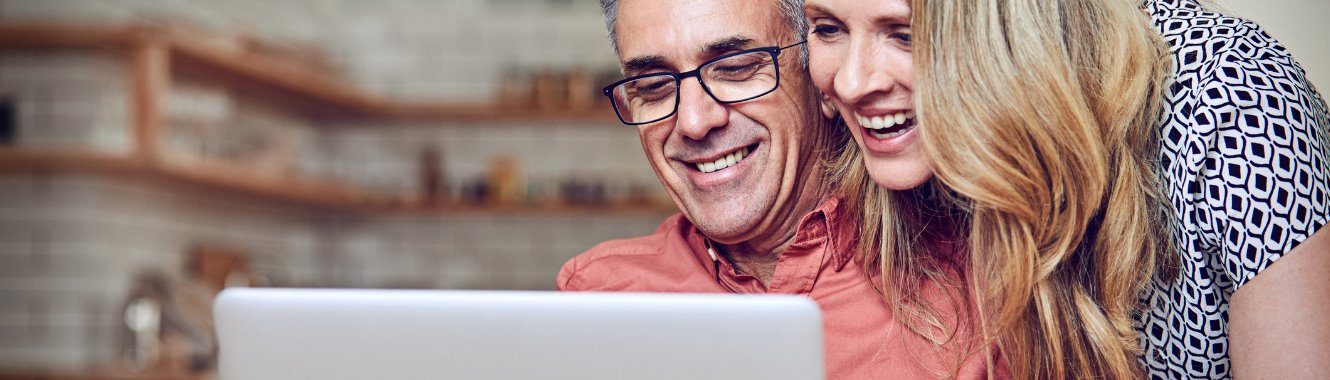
x: 696, y: 73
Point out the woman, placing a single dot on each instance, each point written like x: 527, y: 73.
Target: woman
x: 1244, y: 160
x: 1030, y: 175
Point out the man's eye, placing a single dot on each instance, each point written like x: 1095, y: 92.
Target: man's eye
x: 735, y: 72
x: 651, y: 86
x: 653, y: 89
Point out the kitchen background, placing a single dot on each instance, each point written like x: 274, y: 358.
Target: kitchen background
x: 154, y: 151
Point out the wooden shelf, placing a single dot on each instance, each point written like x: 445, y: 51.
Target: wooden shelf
x: 100, y: 374
x: 456, y: 208
x: 158, y: 53
x: 292, y: 190
x: 227, y: 178
x: 53, y: 35
x: 310, y: 90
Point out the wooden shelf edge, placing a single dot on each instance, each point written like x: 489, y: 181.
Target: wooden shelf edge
x: 304, y: 191
x: 331, y: 94
x: 69, y: 160
x: 69, y: 35
x: 298, y: 191
x: 98, y: 374
x: 225, y: 178
x: 407, y: 111
x: 561, y: 209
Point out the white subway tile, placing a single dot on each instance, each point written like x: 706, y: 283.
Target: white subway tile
x: 34, y: 356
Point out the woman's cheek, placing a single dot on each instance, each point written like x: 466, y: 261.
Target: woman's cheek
x: 822, y: 65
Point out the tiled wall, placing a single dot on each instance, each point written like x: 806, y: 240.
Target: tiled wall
x: 476, y: 252
x: 68, y: 99
x: 547, y: 152
x: 71, y: 245
x: 416, y: 49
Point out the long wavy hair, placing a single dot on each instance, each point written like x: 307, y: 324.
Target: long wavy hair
x: 1039, y: 118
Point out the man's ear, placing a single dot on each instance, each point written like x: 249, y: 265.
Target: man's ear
x: 828, y: 108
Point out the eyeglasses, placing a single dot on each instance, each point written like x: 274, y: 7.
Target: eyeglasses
x: 731, y: 78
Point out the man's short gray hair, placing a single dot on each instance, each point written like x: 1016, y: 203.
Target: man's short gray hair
x: 790, y: 10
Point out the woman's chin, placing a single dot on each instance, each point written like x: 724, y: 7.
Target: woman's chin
x: 899, y: 174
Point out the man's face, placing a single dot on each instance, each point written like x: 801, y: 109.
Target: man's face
x: 759, y: 191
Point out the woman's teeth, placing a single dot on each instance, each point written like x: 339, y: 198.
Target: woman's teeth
x: 885, y: 127
x: 724, y: 162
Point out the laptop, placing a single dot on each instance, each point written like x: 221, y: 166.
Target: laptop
x: 434, y: 334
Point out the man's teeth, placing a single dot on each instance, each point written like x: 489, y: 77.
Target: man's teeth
x: 723, y: 162
x: 886, y: 121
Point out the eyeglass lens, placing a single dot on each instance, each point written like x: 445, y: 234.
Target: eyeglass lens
x: 732, y: 79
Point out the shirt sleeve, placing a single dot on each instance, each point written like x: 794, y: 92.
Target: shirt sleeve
x: 564, y: 281
x: 1263, y: 179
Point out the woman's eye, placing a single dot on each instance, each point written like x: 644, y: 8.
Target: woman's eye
x: 826, y: 30
x: 905, y: 38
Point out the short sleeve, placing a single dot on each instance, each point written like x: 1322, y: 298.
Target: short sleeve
x: 1263, y: 181
x: 564, y: 281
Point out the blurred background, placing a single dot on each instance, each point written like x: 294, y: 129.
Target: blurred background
x: 153, y: 152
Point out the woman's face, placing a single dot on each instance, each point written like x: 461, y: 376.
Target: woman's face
x: 860, y: 57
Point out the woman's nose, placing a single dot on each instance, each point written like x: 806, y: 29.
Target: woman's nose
x: 865, y: 71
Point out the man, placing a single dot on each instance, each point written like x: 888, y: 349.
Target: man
x: 729, y: 121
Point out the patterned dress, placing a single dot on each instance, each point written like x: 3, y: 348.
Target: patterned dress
x: 1243, y: 151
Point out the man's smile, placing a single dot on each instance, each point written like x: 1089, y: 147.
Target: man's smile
x: 721, y: 168
x: 721, y: 161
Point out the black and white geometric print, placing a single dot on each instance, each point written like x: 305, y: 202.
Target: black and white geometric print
x: 1243, y: 151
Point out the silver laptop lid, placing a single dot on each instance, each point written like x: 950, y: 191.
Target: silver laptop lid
x: 416, y: 334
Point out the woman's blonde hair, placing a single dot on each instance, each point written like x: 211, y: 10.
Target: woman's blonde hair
x: 1039, y: 119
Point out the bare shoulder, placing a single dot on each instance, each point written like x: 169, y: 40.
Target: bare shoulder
x: 1278, y: 322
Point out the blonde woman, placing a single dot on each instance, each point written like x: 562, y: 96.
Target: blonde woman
x: 1017, y: 175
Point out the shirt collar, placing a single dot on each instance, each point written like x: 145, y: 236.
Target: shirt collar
x: 1155, y: 6
x: 825, y: 236
x: 839, y: 230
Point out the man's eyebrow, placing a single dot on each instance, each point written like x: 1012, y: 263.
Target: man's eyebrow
x: 635, y: 65
x: 727, y: 45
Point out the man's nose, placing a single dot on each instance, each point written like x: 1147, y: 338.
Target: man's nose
x: 698, y: 112
x: 864, y: 72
